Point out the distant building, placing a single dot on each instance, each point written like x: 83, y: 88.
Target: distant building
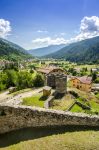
x: 82, y: 83
x: 50, y: 69
x: 54, y: 64
x: 97, y: 75
x: 94, y: 69
x: 95, y: 87
x: 77, y: 70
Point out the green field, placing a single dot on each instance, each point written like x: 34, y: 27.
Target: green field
x: 64, y: 103
x: 77, y: 109
x: 36, y: 100
x: 94, y: 105
x: 51, y: 139
x: 97, y: 96
x: 87, y: 66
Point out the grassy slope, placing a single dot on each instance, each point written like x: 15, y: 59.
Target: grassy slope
x: 77, y: 108
x: 11, y: 51
x: 64, y: 103
x: 78, y: 140
x: 35, y: 100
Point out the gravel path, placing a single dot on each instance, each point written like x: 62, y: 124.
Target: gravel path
x: 17, y: 99
x: 4, y: 96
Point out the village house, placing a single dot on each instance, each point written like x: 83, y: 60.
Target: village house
x: 50, y: 69
x: 82, y: 83
x: 4, y: 63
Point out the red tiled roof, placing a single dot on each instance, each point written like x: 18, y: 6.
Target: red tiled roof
x: 47, y: 70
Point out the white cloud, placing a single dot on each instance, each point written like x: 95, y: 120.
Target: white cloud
x: 40, y: 42
x: 5, y: 28
x: 90, y: 24
x: 89, y: 27
x: 42, y: 31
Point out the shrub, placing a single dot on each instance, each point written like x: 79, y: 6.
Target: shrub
x: 31, y: 71
x: 25, y: 80
x: 38, y: 80
x: 97, y: 80
x: 2, y: 86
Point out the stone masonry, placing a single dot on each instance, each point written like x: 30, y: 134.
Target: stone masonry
x: 50, y: 80
x: 57, y: 81
x: 61, y: 83
x: 17, y: 117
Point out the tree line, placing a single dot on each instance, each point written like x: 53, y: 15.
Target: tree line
x: 19, y: 79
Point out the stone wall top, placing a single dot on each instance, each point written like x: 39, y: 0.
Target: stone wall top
x: 17, y: 117
x: 48, y: 110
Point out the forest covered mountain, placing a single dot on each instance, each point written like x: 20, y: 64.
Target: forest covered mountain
x: 45, y: 50
x: 11, y: 51
x: 86, y: 51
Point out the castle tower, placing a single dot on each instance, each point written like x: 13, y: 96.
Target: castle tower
x: 61, y: 83
x: 50, y: 80
x: 58, y: 81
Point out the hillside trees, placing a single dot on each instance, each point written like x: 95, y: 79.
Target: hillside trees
x: 19, y: 79
x: 3, y: 81
x: 12, y: 78
x: 82, y: 52
x: 11, y: 51
x: 38, y: 80
x: 25, y: 80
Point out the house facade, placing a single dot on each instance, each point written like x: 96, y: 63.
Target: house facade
x: 82, y: 83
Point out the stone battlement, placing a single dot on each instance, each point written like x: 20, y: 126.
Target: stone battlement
x: 16, y: 117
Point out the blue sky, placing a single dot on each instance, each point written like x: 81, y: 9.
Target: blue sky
x: 38, y: 23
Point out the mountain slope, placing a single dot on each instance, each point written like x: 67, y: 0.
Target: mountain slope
x: 84, y: 51
x: 11, y: 51
x: 46, y: 50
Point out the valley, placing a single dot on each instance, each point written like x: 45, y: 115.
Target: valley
x: 57, y: 78
x: 49, y: 75
x: 28, y: 72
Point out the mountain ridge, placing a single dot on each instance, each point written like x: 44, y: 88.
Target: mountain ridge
x: 39, y: 52
x: 83, y: 51
x: 12, y: 51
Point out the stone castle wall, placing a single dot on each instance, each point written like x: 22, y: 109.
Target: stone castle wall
x: 61, y: 83
x: 57, y: 81
x: 16, y: 117
x: 51, y: 80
